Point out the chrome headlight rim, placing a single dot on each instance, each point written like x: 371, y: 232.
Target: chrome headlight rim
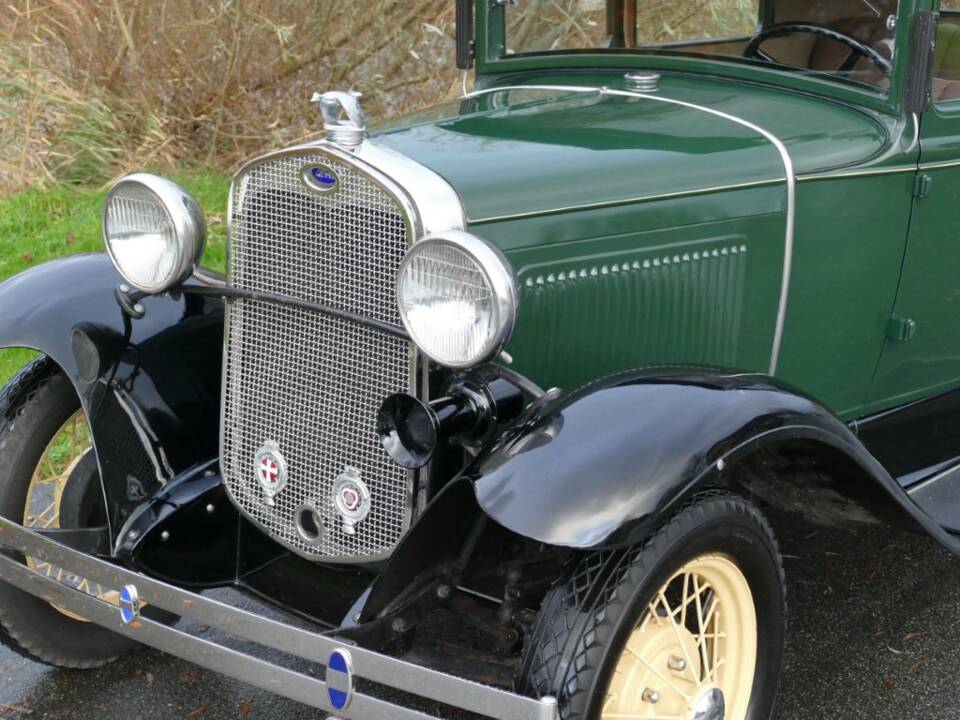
x: 184, y: 214
x: 500, y: 278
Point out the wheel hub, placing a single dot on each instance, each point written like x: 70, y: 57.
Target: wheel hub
x: 710, y: 705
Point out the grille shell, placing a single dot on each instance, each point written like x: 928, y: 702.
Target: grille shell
x: 311, y: 382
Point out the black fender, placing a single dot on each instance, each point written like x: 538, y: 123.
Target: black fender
x: 150, y: 386
x: 605, y: 464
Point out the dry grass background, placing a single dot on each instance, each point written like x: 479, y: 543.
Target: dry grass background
x: 92, y: 88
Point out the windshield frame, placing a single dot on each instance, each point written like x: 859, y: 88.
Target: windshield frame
x: 492, y: 61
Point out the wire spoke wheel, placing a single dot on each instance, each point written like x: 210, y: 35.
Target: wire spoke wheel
x: 687, y: 625
x: 45, y: 494
x: 693, y: 654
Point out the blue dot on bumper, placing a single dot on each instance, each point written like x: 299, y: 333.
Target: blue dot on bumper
x: 339, y: 679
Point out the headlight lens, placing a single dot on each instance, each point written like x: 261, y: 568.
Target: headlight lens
x: 154, y: 231
x: 457, y: 298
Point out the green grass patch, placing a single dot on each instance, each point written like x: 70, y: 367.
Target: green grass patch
x: 40, y: 225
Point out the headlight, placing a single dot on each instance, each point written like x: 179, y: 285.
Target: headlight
x: 154, y: 231
x: 457, y: 298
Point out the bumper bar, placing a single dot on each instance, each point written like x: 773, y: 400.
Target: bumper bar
x: 381, y: 669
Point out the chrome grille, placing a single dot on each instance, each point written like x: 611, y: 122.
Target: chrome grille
x: 310, y: 382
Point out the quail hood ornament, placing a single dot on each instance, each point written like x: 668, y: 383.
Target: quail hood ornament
x: 343, y: 119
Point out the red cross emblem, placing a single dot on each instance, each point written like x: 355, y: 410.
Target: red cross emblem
x: 269, y: 470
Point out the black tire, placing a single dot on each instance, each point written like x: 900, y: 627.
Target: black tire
x: 586, y: 618
x: 33, y: 407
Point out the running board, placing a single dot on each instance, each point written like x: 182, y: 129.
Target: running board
x: 344, y: 662
x: 939, y: 497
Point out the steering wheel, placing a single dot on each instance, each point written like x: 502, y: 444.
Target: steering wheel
x: 857, y: 48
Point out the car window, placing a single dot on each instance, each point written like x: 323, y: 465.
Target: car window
x: 946, y: 61
x: 850, y: 39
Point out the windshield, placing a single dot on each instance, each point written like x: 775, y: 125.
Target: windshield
x: 849, y: 39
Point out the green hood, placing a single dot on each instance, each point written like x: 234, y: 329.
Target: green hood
x: 523, y: 152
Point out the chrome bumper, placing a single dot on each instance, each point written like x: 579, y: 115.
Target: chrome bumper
x: 337, y: 698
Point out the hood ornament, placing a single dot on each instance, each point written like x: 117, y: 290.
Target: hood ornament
x: 343, y: 119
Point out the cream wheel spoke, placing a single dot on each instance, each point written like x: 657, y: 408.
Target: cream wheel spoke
x: 680, y: 642
x: 711, y: 617
x: 701, y: 634
x: 658, y: 674
x: 41, y: 517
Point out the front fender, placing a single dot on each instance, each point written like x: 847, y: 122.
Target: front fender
x: 149, y: 386
x: 603, y: 465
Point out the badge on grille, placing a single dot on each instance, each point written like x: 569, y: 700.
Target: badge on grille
x: 320, y: 177
x: 351, y: 498
x: 271, y: 471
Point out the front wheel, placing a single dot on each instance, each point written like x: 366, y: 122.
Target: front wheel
x: 49, y: 478
x: 688, y: 626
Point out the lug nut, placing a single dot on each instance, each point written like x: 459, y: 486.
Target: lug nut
x: 676, y: 663
x: 165, y: 535
x: 651, y: 696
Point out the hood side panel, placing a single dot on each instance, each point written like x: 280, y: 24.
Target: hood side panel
x: 694, y: 295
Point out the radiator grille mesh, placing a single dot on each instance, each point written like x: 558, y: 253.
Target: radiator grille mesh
x: 310, y: 382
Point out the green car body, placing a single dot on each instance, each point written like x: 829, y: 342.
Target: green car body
x: 648, y: 233
x: 536, y: 358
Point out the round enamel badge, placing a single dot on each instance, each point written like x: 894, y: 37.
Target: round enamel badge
x: 271, y: 470
x: 351, y: 497
x: 340, y: 679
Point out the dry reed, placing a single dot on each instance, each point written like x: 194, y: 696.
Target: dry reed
x: 92, y: 88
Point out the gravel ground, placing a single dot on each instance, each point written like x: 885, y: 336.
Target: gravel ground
x: 873, y: 634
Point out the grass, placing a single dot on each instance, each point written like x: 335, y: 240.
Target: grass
x: 38, y: 225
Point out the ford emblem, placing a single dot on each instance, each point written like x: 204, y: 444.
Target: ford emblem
x: 322, y: 178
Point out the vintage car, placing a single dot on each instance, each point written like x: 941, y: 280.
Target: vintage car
x: 490, y: 398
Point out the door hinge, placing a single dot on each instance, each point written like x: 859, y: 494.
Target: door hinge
x: 902, y: 329
x: 921, y: 185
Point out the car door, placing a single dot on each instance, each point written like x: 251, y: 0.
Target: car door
x: 921, y: 355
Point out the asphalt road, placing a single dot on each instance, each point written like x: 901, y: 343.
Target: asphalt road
x: 874, y: 633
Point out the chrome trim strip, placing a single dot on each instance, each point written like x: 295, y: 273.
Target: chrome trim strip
x: 940, y: 165
x: 629, y: 201
x: 437, y: 203
x: 382, y: 669
x: 916, y: 134
x: 870, y: 172
x: 791, y: 181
